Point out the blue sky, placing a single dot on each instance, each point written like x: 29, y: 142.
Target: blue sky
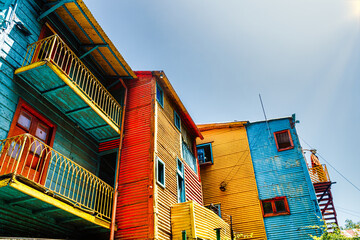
x: 303, y: 56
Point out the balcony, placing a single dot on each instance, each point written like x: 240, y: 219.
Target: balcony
x: 193, y: 221
x: 41, y: 190
x: 319, y: 174
x: 54, y: 70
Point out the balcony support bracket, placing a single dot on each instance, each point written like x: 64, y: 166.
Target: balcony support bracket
x: 90, y: 51
x: 52, y: 9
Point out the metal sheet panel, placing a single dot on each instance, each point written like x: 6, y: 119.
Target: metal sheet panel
x: 283, y: 173
x: 233, y: 166
x: 134, y: 211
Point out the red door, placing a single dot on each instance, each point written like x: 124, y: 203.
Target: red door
x: 35, y: 155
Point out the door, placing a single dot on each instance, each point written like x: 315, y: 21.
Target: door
x: 34, y: 158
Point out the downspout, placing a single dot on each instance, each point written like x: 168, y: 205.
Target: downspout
x: 112, y: 227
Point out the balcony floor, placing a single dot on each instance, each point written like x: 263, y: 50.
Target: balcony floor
x: 55, y: 86
x: 27, y: 210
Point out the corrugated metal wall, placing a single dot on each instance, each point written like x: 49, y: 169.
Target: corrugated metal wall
x: 168, y: 147
x: 134, y: 213
x: 193, y: 188
x: 283, y: 174
x: 197, y: 221
x: 232, y: 165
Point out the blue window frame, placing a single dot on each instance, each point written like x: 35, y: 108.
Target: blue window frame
x: 189, y: 157
x: 160, y: 172
x: 204, y: 153
x: 177, y: 121
x: 180, y: 181
x: 159, y: 95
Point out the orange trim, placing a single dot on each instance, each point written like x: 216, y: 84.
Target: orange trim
x: 272, y: 201
x: 291, y: 142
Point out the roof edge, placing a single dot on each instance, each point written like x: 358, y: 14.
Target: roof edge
x: 211, y: 126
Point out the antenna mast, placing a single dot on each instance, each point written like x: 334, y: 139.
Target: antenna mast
x: 267, y: 123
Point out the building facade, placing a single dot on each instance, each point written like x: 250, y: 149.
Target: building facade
x: 159, y: 174
x: 228, y: 177
x: 62, y: 103
x: 285, y: 189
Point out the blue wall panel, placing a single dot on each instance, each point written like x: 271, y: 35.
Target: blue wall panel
x: 280, y: 174
x: 69, y: 140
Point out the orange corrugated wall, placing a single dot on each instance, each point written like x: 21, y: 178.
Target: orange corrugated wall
x: 134, y: 211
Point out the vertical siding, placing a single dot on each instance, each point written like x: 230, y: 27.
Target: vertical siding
x: 70, y: 141
x: 134, y: 209
x: 193, y: 190
x: 232, y: 164
x: 283, y: 174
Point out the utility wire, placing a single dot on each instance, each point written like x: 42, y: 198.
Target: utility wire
x: 348, y: 210
x: 348, y: 213
x: 331, y: 166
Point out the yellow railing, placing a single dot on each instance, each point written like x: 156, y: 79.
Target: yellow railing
x: 29, y: 157
x: 53, y: 49
x: 319, y: 174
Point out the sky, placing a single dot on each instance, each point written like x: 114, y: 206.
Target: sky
x: 302, y: 56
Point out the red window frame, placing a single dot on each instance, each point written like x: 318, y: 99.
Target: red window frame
x: 272, y: 201
x: 24, y: 105
x: 276, y: 140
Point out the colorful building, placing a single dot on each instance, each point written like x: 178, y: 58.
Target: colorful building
x: 159, y: 182
x: 62, y: 103
x: 256, y: 173
x: 285, y: 189
x: 228, y: 177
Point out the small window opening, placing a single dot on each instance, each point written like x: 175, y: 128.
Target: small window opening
x: 181, y: 182
x: 160, y: 172
x: 274, y: 207
x: 177, y: 121
x: 204, y: 152
x: 283, y: 140
x: 159, y: 95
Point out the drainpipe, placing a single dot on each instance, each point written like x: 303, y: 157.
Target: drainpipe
x: 112, y: 227
x: 231, y: 228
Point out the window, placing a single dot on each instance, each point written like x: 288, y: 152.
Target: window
x: 283, y: 140
x: 216, y: 208
x: 177, y: 121
x: 159, y: 95
x: 204, y: 152
x: 274, y: 207
x: 181, y: 182
x: 160, y: 172
x: 189, y: 157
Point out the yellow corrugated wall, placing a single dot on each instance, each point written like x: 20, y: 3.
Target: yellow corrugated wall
x: 232, y: 165
x: 197, y: 221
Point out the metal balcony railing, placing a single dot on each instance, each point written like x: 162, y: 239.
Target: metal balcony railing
x: 54, y: 50
x: 29, y: 157
x: 319, y: 174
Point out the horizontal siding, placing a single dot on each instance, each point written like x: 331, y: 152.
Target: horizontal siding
x: 134, y: 208
x: 283, y: 174
x: 69, y: 141
x: 233, y: 165
x: 198, y: 222
x: 169, y: 149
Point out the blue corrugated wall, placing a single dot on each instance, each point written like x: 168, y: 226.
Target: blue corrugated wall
x: 283, y: 174
x: 69, y: 140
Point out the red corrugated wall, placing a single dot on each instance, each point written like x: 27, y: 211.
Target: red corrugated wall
x: 193, y: 189
x: 134, y: 212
